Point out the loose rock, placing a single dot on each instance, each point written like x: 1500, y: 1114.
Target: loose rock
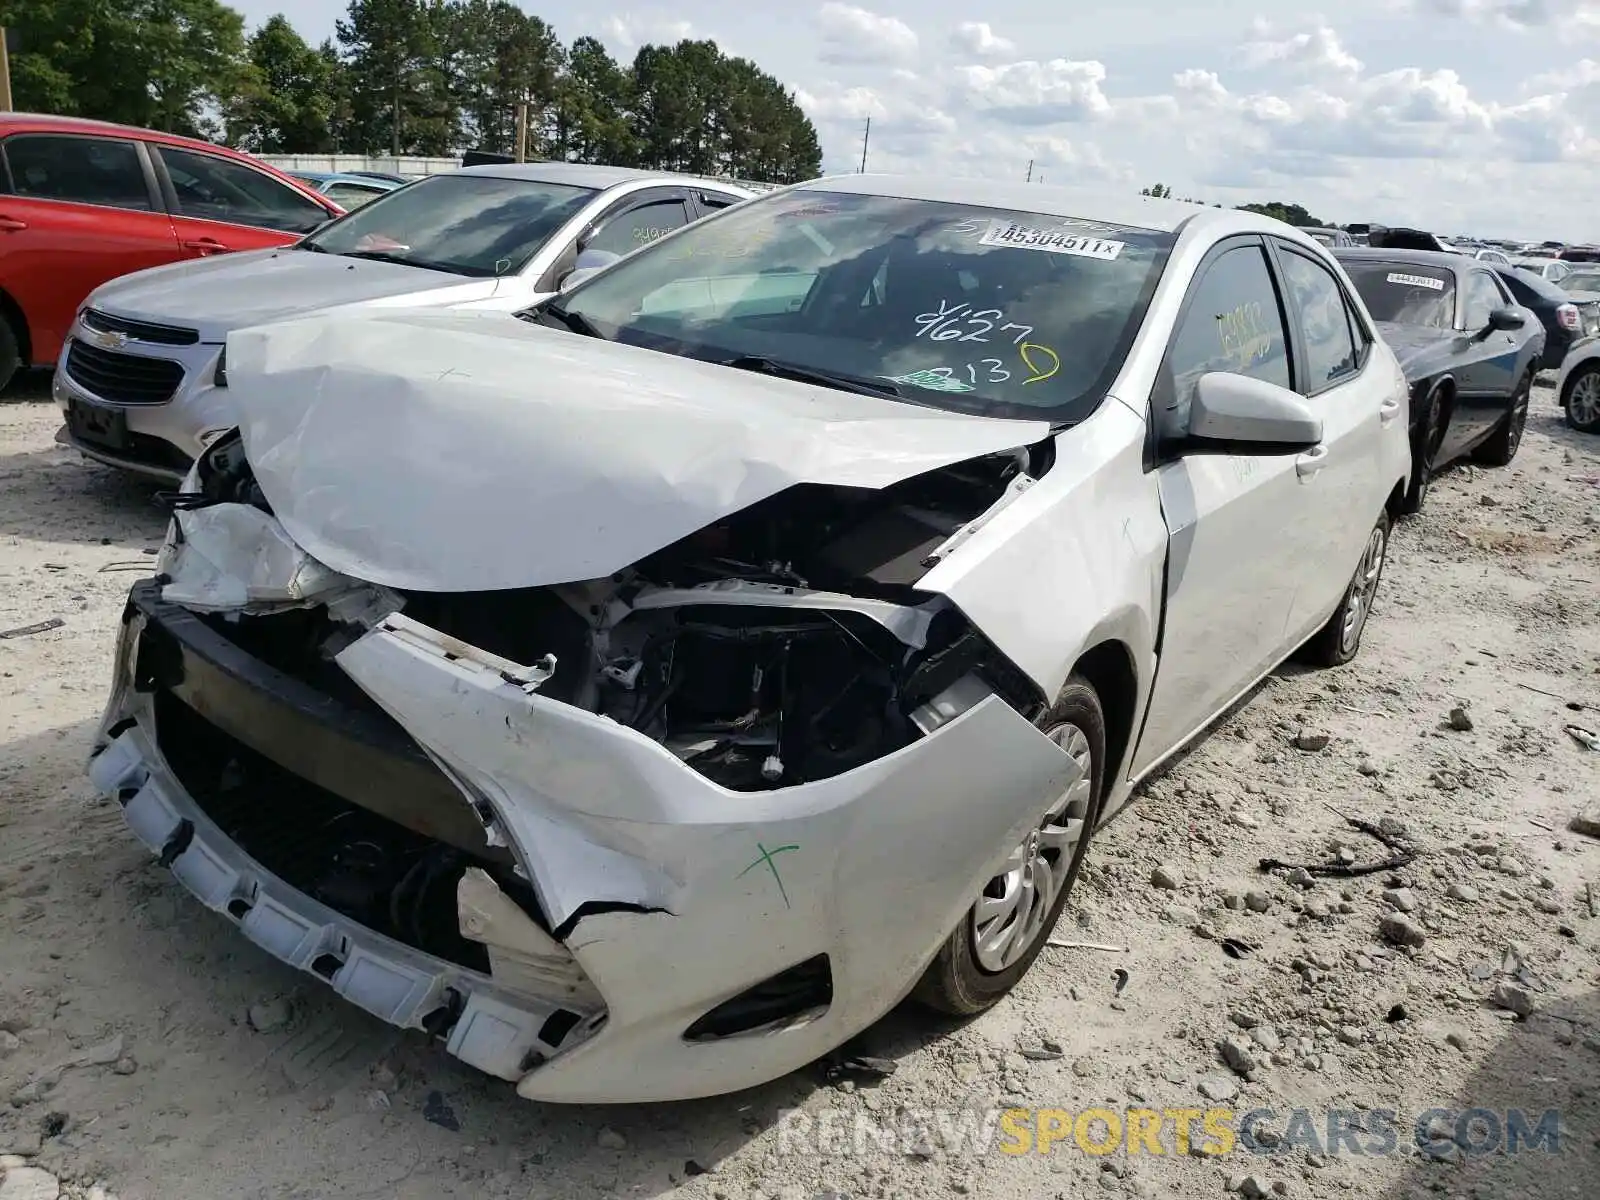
x: 1463, y: 893
x: 1513, y: 998
x: 1459, y: 720
x: 1257, y: 902
x: 1237, y: 1055
x: 270, y: 1015
x: 1403, y: 899
x: 610, y: 1139
x: 1401, y: 931
x: 1218, y: 1088
x: 1167, y: 878
x: 1310, y: 742
x: 29, y: 1183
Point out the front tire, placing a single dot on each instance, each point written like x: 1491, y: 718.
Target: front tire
x: 1007, y: 926
x: 1339, y: 641
x: 1502, y: 445
x: 1581, y: 400
x: 1430, y: 436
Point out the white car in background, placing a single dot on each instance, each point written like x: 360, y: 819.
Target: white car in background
x: 1578, y: 386
x: 142, y: 382
x: 645, y: 694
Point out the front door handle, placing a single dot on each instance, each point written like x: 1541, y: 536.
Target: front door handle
x: 1388, y: 411
x: 205, y: 245
x: 1312, y: 461
x: 12, y: 225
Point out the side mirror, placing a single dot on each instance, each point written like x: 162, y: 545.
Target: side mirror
x: 1235, y: 414
x: 1507, y: 319
x: 589, y: 261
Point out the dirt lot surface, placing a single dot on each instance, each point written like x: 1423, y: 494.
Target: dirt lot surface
x: 149, y: 1051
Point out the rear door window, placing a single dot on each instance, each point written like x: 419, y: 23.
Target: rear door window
x: 212, y: 188
x: 81, y: 170
x: 1331, y: 348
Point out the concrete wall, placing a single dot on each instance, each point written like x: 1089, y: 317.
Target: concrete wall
x: 361, y: 162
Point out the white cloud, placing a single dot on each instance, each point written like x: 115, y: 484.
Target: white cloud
x: 1318, y: 49
x: 630, y: 32
x: 855, y: 35
x: 976, y: 40
x: 1448, y: 139
x: 1037, y: 93
x: 1571, y: 17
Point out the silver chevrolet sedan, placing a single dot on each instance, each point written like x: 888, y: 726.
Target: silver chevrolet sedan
x: 645, y: 693
x: 142, y: 382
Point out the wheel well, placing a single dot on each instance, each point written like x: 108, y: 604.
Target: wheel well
x: 12, y: 312
x: 1109, y: 670
x: 1586, y: 367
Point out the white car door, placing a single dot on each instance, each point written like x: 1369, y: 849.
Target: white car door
x: 1356, y: 400
x: 1242, y: 528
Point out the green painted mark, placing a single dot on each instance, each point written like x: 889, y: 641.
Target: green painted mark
x: 766, y: 860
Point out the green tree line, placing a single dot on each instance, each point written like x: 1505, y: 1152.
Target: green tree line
x: 1290, y: 214
x: 416, y: 77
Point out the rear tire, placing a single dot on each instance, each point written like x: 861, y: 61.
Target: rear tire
x: 1581, y: 399
x: 1502, y: 445
x: 1339, y: 641
x: 994, y: 945
x: 1430, y: 436
x: 10, y: 353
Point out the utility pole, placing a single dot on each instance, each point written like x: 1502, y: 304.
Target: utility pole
x: 5, y: 70
x: 1029, y: 179
x: 522, y: 132
x: 865, y: 138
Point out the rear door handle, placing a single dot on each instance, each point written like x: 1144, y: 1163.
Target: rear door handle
x: 205, y: 245
x: 1388, y: 411
x: 12, y: 225
x: 1312, y: 461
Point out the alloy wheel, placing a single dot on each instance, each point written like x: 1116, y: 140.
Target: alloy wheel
x: 1358, y: 603
x: 1010, y: 915
x: 1583, y: 400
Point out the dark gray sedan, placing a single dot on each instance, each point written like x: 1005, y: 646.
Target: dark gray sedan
x: 1468, y: 349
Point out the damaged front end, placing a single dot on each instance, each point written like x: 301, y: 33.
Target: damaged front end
x: 663, y: 834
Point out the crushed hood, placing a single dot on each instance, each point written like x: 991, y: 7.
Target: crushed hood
x: 231, y: 291
x: 468, y: 451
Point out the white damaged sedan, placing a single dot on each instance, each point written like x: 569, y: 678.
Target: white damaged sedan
x: 645, y: 694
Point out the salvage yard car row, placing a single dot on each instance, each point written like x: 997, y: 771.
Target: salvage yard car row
x: 639, y: 651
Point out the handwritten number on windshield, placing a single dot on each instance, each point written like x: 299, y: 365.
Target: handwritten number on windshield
x: 960, y: 322
x: 1041, y: 360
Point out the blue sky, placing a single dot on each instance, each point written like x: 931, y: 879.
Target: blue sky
x: 1460, y: 115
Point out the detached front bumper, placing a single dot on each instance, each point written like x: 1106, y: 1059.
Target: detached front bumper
x: 800, y: 915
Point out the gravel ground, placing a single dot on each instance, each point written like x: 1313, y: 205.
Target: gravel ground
x: 148, y: 1050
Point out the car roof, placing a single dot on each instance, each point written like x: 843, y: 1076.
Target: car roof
x: 1115, y: 208
x: 17, y: 122
x: 1442, y: 259
x: 589, y: 175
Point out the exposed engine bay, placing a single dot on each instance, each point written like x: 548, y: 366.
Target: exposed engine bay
x: 783, y: 645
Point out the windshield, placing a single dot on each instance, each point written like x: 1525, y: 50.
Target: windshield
x: 999, y: 312
x: 1581, y: 281
x: 1405, y: 293
x: 465, y: 224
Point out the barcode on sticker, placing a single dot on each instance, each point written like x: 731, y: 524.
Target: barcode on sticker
x: 1423, y: 281
x: 1002, y: 233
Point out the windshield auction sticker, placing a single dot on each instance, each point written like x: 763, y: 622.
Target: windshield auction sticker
x: 1422, y: 281
x: 1008, y: 233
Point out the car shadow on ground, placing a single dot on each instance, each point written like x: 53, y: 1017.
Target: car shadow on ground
x: 55, y: 495
x: 1547, y: 1064
x: 103, y: 942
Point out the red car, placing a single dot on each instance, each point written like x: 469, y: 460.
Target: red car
x: 82, y: 202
